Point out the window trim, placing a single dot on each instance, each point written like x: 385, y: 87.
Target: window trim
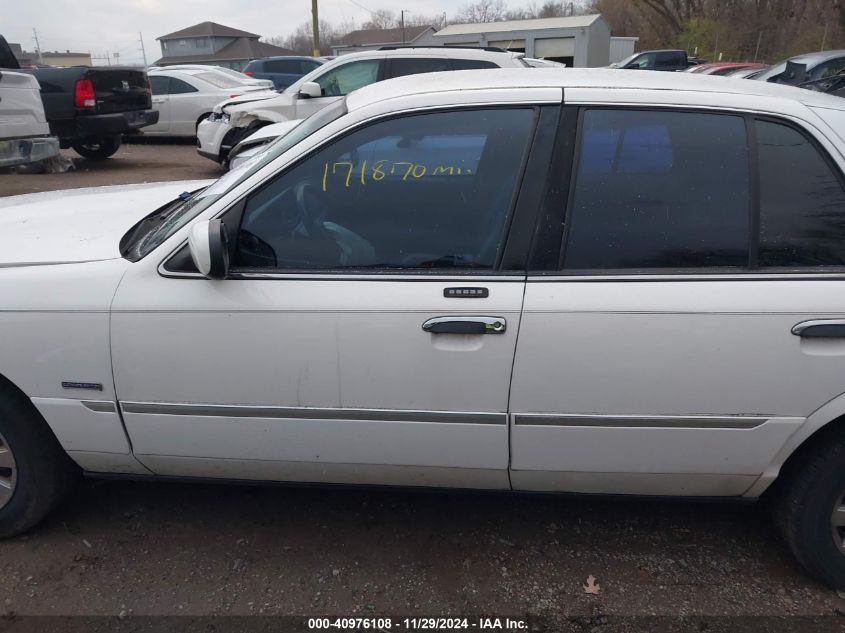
x: 237, y: 207
x: 642, y: 274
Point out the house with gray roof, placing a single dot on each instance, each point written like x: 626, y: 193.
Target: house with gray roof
x: 373, y: 39
x: 214, y: 44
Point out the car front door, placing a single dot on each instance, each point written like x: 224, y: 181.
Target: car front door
x: 367, y: 328
x: 339, y: 81
x: 666, y: 349
x: 161, y: 104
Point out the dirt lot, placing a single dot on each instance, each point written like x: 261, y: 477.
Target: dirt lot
x: 134, y: 162
x: 129, y: 549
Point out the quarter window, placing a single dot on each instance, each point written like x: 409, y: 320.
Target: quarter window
x: 421, y: 192
x: 802, y: 203
x: 659, y: 189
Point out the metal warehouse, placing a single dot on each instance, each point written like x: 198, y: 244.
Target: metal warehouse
x: 578, y: 41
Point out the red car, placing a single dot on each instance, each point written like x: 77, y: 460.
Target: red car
x: 723, y: 68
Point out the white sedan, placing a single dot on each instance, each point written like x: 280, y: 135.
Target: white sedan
x: 457, y: 280
x: 186, y: 96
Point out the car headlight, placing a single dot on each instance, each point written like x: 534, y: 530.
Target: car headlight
x: 218, y: 117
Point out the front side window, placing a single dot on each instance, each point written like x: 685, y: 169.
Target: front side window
x: 643, y: 61
x: 659, y: 189
x: 421, y: 192
x: 342, y: 80
x: 802, y: 202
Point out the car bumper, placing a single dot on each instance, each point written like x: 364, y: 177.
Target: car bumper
x: 210, y: 137
x: 102, y: 125
x: 28, y: 150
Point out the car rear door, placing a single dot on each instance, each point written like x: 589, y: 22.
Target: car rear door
x: 682, y: 317
x: 161, y: 104
x: 367, y: 329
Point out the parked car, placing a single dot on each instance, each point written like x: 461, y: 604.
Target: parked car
x: 89, y: 109
x: 725, y: 68
x: 542, y: 63
x: 24, y: 132
x: 282, y: 71
x: 232, y: 74
x: 234, y: 120
x: 670, y: 60
x: 747, y: 73
x: 185, y: 97
x: 264, y: 327
x: 804, y: 68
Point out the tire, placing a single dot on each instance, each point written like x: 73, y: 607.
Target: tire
x: 99, y: 149
x: 41, y: 473
x: 803, y: 501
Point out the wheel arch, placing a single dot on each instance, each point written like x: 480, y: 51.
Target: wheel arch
x: 827, y: 420
x: 10, y: 389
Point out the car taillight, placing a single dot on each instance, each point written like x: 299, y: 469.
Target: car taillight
x: 248, y: 73
x: 83, y: 95
x: 235, y: 95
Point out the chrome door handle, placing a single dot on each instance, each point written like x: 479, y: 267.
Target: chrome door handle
x: 820, y: 328
x: 465, y: 325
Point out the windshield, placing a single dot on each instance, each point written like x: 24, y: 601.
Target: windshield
x: 219, y: 80
x: 626, y: 61
x: 775, y: 70
x: 157, y: 227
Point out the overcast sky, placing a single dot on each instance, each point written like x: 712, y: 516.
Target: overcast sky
x: 101, y: 26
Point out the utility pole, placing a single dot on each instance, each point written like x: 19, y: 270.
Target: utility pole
x: 315, y: 19
x: 824, y: 37
x: 143, y: 52
x: 403, y: 26
x: 757, y: 50
x: 37, y: 46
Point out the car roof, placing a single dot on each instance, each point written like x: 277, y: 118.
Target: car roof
x: 298, y: 58
x: 454, y: 52
x: 606, y: 78
x: 818, y: 57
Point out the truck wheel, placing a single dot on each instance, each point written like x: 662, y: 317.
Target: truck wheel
x: 808, y: 502
x: 35, y: 473
x: 99, y: 149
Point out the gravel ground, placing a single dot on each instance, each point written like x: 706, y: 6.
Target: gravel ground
x: 138, y: 161
x: 135, y: 549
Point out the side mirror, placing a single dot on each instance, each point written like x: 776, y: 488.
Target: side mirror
x: 310, y: 90
x: 208, y: 243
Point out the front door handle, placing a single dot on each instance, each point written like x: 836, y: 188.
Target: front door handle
x: 465, y: 325
x: 821, y: 328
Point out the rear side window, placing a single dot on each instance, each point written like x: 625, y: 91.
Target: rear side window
x: 472, y: 64
x: 802, y: 203
x: 178, y: 87
x: 283, y: 66
x: 669, y: 60
x: 159, y: 84
x: 401, y: 67
x: 659, y: 189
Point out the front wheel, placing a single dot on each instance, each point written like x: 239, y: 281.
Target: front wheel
x: 35, y: 473
x: 99, y: 149
x: 809, y: 506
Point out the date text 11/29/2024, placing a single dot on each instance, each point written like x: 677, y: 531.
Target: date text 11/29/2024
x: 418, y: 624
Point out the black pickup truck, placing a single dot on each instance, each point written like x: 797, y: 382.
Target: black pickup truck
x: 89, y: 109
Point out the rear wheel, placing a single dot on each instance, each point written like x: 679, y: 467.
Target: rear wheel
x: 98, y: 149
x: 35, y: 473
x: 809, y: 505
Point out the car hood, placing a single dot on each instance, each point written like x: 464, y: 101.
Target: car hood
x: 78, y: 225
x: 237, y: 104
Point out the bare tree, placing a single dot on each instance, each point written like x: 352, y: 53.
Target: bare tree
x: 482, y: 11
x: 381, y: 19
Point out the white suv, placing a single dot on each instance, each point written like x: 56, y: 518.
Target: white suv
x: 235, y: 119
x: 600, y: 281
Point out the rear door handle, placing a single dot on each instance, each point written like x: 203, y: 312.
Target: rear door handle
x: 465, y: 325
x: 821, y: 328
